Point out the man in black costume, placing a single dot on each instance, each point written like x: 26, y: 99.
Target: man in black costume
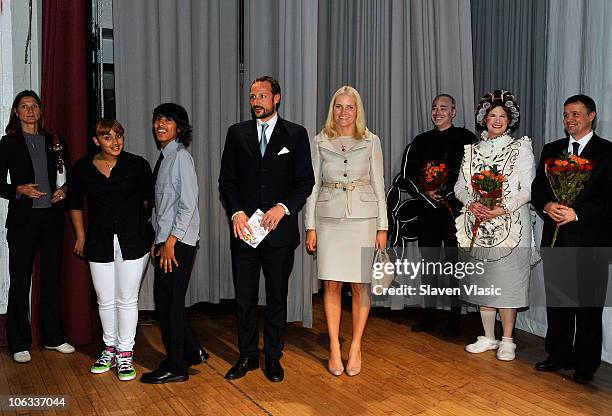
x: 437, y: 208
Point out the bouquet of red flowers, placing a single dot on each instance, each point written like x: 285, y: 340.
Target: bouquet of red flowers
x: 487, y: 185
x: 434, y: 177
x: 567, y: 176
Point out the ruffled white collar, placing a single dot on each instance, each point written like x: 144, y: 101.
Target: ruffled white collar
x: 485, y: 135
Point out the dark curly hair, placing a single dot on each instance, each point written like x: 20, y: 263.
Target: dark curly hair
x: 498, y: 98
x: 14, y: 124
x: 181, y: 118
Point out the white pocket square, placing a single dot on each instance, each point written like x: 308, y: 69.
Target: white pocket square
x: 283, y: 151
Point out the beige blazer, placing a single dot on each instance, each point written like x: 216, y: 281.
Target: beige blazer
x: 358, y: 176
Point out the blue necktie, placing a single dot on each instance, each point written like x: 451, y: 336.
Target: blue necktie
x: 575, y: 148
x: 263, y: 143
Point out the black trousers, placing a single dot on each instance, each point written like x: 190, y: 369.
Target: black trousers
x: 44, y: 233
x: 169, y: 290
x: 437, y: 227
x: 576, y: 281
x: 276, y: 263
x: 574, y: 336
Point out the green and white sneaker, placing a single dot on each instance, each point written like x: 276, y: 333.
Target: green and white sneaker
x: 106, y: 361
x: 125, y: 367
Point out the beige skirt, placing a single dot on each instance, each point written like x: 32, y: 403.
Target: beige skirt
x: 345, y: 249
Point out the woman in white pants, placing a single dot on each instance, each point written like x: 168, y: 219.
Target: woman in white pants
x: 118, y: 187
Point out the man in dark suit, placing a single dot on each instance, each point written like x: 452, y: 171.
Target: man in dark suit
x: 266, y: 165
x: 445, y: 144
x: 574, y: 334
x: 35, y: 223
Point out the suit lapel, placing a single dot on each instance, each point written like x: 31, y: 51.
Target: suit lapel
x: 361, y: 144
x: 277, y: 139
x: 325, y: 143
x: 562, y: 147
x: 251, y: 139
x: 590, y: 150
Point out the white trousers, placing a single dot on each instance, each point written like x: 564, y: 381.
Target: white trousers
x: 117, y: 285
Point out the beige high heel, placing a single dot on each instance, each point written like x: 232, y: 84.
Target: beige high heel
x: 353, y: 371
x: 336, y: 371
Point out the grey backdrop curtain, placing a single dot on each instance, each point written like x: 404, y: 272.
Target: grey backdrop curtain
x: 398, y: 54
x: 281, y: 41
x: 579, y: 58
x: 509, y: 48
x: 6, y: 101
x: 185, y: 52
x: 545, y: 51
x: 579, y: 51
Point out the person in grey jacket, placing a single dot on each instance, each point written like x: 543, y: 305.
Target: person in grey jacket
x: 346, y: 213
x: 177, y: 232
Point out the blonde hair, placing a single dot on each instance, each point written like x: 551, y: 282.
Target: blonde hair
x: 361, y: 131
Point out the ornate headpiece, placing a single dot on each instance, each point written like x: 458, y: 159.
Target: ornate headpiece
x: 497, y: 98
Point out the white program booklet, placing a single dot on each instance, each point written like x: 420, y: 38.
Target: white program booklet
x: 259, y: 232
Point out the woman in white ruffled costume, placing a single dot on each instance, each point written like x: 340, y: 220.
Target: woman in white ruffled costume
x: 503, y: 239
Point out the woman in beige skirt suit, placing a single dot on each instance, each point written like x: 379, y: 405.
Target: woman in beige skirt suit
x: 346, y: 213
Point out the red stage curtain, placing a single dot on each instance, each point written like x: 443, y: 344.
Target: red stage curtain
x: 65, y: 101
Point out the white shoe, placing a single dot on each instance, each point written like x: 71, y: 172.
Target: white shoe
x: 482, y: 344
x: 22, y: 357
x: 64, y: 348
x: 506, y: 351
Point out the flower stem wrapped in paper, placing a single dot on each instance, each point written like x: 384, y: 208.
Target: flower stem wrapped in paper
x: 434, y: 177
x: 567, y: 176
x: 488, y: 187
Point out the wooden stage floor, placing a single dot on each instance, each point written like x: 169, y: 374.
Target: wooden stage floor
x: 403, y: 374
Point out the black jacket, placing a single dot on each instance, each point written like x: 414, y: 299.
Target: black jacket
x: 15, y: 159
x: 249, y: 181
x: 446, y: 145
x: 593, y: 206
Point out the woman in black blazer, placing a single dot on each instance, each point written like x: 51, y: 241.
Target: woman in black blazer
x: 38, y: 165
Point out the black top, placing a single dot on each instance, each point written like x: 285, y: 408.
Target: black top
x: 116, y: 206
x: 446, y: 145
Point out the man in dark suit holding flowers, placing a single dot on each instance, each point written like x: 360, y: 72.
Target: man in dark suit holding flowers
x: 574, y: 334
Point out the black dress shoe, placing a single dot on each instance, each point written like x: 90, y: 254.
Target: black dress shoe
x: 581, y: 377
x: 242, y: 366
x: 274, y: 370
x: 162, y: 376
x: 549, y: 365
x: 197, y: 357
x: 423, y: 325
